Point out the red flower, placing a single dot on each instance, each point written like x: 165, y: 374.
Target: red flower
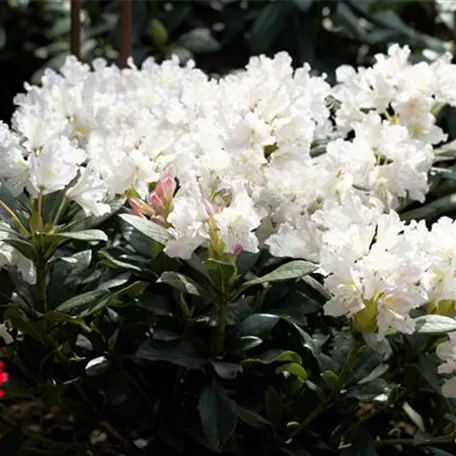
x: 3, y: 377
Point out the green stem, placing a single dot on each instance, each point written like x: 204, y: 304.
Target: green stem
x: 221, y: 328
x: 329, y: 399
x: 59, y: 212
x: 22, y: 228
x: 412, y: 442
x: 349, y: 362
x: 41, y: 291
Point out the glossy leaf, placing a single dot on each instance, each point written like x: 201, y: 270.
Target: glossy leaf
x: 181, y: 353
x: 435, y: 324
x: 150, y: 229
x: 218, y: 414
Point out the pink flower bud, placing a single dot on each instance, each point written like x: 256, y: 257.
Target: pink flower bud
x: 237, y: 249
x: 159, y: 220
x: 156, y: 202
x: 165, y: 189
x: 135, y: 209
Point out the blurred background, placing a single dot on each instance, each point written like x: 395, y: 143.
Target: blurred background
x: 219, y: 35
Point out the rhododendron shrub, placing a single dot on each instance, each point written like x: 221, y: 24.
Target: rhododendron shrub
x: 239, y: 265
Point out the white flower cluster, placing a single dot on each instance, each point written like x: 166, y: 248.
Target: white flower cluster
x: 244, y: 154
x: 381, y: 271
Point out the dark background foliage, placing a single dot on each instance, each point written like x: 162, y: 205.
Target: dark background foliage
x: 219, y: 34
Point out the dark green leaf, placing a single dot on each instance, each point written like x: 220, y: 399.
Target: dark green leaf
x: 182, y: 283
x: 218, y: 414
x: 226, y: 370
x: 180, y: 353
x: 221, y: 274
x: 270, y: 22
x: 114, y: 262
x: 156, y: 303
x: 81, y: 301
x: 292, y: 270
x: 150, y: 229
x: 97, y: 366
x: 435, y: 324
x: 273, y: 406
x: 345, y: 17
x: 257, y: 325
x: 331, y: 379
x: 253, y: 419
x: 245, y: 343
x: 24, y: 247
x: 199, y: 41
x: 275, y: 356
x: 86, y: 235
x: 294, y: 369
x: 303, y: 5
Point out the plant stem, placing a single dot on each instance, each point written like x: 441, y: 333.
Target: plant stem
x: 221, y: 328
x: 22, y: 228
x: 348, y: 364
x: 59, y: 212
x: 41, y: 291
x: 412, y: 442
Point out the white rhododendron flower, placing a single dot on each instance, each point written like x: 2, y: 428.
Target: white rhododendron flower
x: 258, y: 159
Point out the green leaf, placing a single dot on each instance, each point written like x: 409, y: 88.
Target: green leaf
x: 292, y: 270
x: 133, y: 290
x: 218, y: 414
x: 331, y: 379
x: 150, y: 229
x: 345, y: 17
x: 294, y: 369
x: 245, y: 343
x: 221, y: 274
x: 253, y: 419
x: 81, y: 301
x: 270, y: 22
x: 156, y: 303
x: 180, y: 353
x: 86, y: 299
x: 427, y: 367
x: 199, y: 41
x: 182, y: 283
x: 97, y: 366
x: 115, y: 263
x: 36, y: 329
x: 24, y: 247
x: 273, y: 406
x: 54, y: 317
x: 303, y: 5
x: 414, y: 416
x: 257, y: 325
x: 434, y: 324
x: 275, y: 356
x: 86, y: 235
x: 226, y: 370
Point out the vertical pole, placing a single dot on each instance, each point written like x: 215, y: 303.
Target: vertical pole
x: 75, y: 33
x: 125, y: 32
